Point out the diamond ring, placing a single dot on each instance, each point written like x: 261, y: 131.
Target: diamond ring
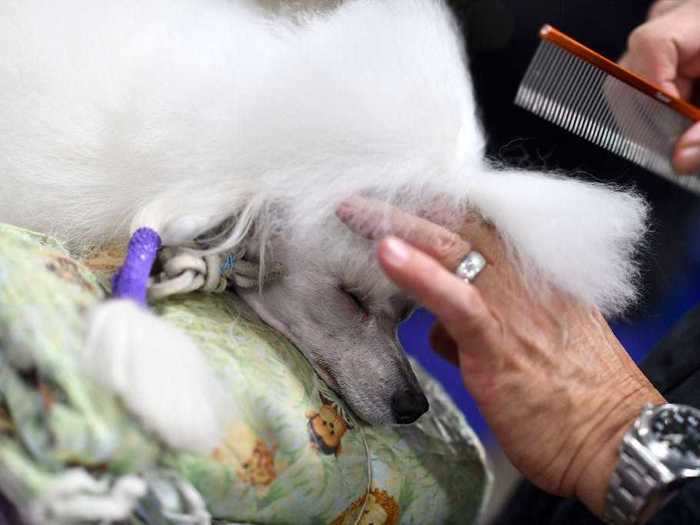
x: 471, y: 266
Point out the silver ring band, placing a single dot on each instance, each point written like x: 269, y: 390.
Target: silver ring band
x: 471, y: 266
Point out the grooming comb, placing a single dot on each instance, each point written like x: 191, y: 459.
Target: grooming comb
x: 594, y: 98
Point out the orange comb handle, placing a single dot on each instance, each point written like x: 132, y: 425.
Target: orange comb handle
x: 559, y: 39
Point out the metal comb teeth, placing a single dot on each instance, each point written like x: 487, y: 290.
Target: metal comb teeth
x: 576, y: 94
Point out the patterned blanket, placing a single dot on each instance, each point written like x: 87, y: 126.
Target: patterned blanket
x: 70, y: 452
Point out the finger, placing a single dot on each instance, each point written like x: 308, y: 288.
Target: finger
x: 661, y: 7
x: 686, y: 158
x: 457, y: 304
x: 660, y: 49
x: 689, y: 70
x: 443, y: 344
x: 374, y: 220
x: 653, y: 56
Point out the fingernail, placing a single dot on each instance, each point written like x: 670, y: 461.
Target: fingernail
x: 395, y: 252
x: 687, y: 159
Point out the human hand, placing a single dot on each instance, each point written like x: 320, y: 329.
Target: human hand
x: 555, y: 385
x: 666, y: 51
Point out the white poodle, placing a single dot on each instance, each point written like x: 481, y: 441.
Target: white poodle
x: 223, y: 126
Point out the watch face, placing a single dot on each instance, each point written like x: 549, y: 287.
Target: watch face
x: 678, y: 428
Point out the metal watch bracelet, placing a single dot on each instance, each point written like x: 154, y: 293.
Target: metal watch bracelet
x: 631, y: 485
x: 642, y: 482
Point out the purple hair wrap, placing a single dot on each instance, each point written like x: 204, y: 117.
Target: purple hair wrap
x: 131, y: 281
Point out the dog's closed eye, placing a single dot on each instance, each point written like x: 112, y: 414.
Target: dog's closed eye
x: 356, y: 301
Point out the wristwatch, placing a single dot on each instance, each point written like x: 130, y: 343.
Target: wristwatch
x: 657, y: 455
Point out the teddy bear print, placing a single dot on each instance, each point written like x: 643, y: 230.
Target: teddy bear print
x: 327, y: 426
x: 68, y: 270
x: 379, y: 509
x: 259, y: 469
x: 252, y: 459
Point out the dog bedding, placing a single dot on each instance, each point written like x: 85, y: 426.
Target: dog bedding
x: 293, y: 453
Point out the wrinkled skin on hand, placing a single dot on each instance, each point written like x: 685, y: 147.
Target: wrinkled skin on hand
x: 548, y: 374
x: 665, y: 50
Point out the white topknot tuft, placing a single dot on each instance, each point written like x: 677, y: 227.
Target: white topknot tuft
x: 179, y: 114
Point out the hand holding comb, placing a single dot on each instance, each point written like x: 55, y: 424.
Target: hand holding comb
x: 580, y: 90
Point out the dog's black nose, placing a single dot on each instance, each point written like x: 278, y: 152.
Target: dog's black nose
x: 408, y: 406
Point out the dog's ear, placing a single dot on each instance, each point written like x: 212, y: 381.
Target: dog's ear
x: 247, y: 259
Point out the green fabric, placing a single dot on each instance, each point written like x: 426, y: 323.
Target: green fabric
x: 278, y: 463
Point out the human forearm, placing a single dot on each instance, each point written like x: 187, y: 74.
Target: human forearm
x: 555, y: 385
x: 602, y: 456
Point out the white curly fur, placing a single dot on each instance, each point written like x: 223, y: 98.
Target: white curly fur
x: 178, y: 114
